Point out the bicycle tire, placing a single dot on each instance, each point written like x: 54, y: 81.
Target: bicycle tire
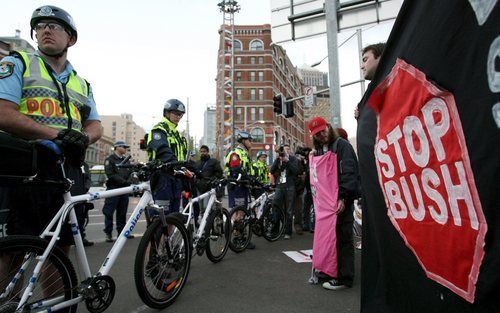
x: 273, y: 222
x: 241, y: 229
x: 220, y: 228
x: 155, y: 283
x: 13, y: 249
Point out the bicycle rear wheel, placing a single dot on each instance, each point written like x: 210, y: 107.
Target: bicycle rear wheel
x: 241, y: 234
x: 56, y: 282
x: 218, y: 232
x: 162, y: 263
x: 273, y: 222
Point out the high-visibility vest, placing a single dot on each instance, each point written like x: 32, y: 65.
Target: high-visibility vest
x: 262, y: 172
x: 48, y: 101
x: 245, y: 161
x: 176, y: 142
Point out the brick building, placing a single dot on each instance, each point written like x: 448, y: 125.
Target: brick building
x: 261, y: 70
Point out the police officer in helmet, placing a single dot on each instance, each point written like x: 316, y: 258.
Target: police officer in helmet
x: 165, y: 144
x: 239, y: 164
x: 68, y: 114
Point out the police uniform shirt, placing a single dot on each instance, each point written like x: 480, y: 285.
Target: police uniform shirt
x: 11, y: 82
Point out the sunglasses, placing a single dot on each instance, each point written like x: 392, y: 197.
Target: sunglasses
x: 51, y: 25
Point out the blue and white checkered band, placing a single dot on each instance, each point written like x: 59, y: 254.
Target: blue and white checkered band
x: 135, y: 188
x: 45, y: 11
x: 94, y: 196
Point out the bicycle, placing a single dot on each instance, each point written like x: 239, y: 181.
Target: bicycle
x: 37, y: 276
x: 212, y: 234
x: 262, y: 218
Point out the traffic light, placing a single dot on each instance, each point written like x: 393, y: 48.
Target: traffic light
x: 278, y: 103
x: 288, y: 108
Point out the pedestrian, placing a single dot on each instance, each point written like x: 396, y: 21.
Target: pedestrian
x: 285, y: 169
x: 304, y: 204
x: 207, y: 169
x: 42, y: 97
x: 239, y: 164
x: 370, y: 57
x: 261, y: 171
x: 165, y: 144
x: 326, y: 139
x: 118, y: 177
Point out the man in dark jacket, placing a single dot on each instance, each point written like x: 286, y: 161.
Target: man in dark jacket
x: 285, y: 170
x: 208, y: 168
x: 326, y: 139
x: 117, y: 178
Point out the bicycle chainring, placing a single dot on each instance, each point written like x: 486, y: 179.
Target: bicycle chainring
x: 101, y: 295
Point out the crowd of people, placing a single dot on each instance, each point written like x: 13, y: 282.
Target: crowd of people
x: 30, y: 81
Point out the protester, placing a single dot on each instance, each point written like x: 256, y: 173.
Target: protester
x: 207, y: 169
x: 285, y: 169
x: 118, y: 177
x: 76, y: 126
x: 326, y: 139
x: 307, y: 202
x: 298, y: 219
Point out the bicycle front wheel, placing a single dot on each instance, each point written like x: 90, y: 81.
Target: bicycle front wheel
x: 162, y: 263
x: 217, y: 232
x: 56, y: 281
x: 273, y: 222
x: 241, y: 234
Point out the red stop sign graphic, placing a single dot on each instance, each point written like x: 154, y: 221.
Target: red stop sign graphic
x: 425, y: 175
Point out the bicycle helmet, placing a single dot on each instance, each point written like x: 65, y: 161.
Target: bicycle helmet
x: 243, y: 135
x: 261, y: 154
x: 174, y: 105
x: 53, y: 13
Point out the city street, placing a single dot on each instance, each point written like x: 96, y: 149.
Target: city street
x: 260, y: 280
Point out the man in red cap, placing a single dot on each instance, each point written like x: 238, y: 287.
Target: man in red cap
x: 325, y: 139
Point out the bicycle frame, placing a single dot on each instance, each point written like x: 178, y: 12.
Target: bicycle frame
x: 67, y: 208
x: 188, y: 211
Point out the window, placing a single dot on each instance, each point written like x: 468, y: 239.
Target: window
x: 252, y: 76
x: 261, y: 94
x: 256, y: 45
x: 239, y: 116
x: 237, y: 45
x: 257, y: 134
x: 252, y: 114
x: 261, y: 60
x: 261, y: 114
x: 252, y: 60
x: 238, y: 60
x: 238, y: 76
x: 252, y: 94
x: 238, y: 94
x: 261, y: 76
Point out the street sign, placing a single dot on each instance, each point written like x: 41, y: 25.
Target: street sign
x: 309, y: 96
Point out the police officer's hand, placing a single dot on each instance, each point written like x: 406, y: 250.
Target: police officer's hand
x: 73, y: 139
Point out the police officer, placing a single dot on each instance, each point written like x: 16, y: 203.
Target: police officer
x: 165, y: 144
x: 118, y: 177
x: 239, y: 163
x: 261, y: 172
x: 42, y: 97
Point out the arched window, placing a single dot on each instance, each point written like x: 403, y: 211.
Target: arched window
x: 256, y: 45
x: 257, y: 134
x: 238, y: 46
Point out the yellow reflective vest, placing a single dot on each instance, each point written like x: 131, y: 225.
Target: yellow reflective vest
x: 261, y: 172
x: 245, y: 162
x: 175, y: 141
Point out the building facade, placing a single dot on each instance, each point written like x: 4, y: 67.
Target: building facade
x: 123, y: 127
x: 16, y: 43
x: 262, y: 69
x: 209, y: 128
x: 97, y: 152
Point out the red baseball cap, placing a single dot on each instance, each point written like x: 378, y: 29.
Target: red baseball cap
x: 316, y: 124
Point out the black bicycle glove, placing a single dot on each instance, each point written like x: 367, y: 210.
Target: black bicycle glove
x: 72, y: 139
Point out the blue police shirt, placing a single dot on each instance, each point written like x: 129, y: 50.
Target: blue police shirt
x: 11, y: 86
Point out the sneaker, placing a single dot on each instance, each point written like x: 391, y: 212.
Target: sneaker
x: 251, y: 246
x: 87, y: 243
x: 333, y: 285
x: 109, y: 238
x: 287, y: 237
x: 358, y: 245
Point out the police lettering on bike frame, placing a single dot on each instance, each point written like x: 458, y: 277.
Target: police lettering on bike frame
x: 80, y: 293
x: 215, y: 220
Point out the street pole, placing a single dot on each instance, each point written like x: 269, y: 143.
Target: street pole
x: 360, y: 48
x: 187, y: 123
x: 333, y: 62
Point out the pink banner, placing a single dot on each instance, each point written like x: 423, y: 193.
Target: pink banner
x: 324, y: 185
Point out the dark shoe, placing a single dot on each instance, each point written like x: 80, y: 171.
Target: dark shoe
x: 334, y: 285
x: 299, y: 231
x: 109, y: 238
x: 130, y: 237
x: 87, y: 243
x: 251, y: 246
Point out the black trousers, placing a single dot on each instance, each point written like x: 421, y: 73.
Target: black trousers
x: 345, y: 246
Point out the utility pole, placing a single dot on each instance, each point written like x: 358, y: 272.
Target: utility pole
x: 333, y: 60
x: 187, y: 123
x: 225, y: 75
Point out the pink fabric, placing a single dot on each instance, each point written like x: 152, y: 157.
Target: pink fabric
x: 324, y: 184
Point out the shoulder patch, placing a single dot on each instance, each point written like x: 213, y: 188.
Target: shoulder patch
x: 106, y: 162
x: 6, y: 69
x: 156, y: 136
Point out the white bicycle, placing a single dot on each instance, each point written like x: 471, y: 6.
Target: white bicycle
x: 37, y: 276
x: 214, y: 229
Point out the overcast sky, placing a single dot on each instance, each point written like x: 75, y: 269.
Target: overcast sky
x: 138, y: 54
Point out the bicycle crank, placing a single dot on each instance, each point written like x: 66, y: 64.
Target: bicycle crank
x: 98, y: 294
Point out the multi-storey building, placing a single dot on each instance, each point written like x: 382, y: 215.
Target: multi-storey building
x: 4, y: 49
x: 17, y: 43
x: 97, y: 152
x: 261, y: 70
x: 124, y: 128
x: 209, y: 127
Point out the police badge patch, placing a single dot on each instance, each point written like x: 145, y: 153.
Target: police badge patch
x: 6, y: 69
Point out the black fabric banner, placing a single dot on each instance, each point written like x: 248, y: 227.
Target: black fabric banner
x: 456, y: 44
